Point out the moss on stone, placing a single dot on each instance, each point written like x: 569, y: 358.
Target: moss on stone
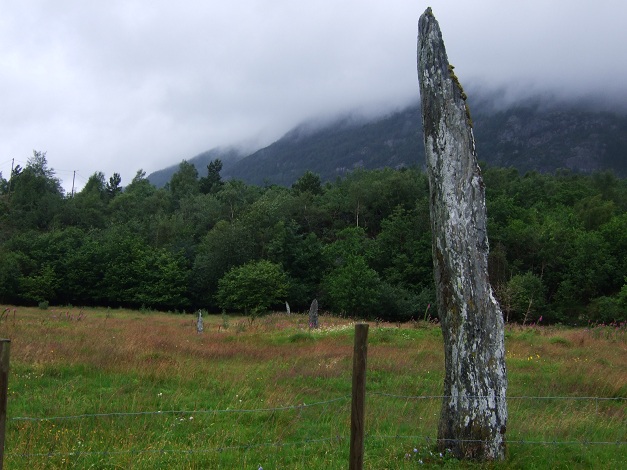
x: 463, y: 95
x: 468, y: 118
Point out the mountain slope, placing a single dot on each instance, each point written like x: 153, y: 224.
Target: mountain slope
x: 331, y: 151
x: 531, y: 135
x: 536, y: 137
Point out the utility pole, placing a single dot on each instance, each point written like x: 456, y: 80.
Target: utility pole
x: 11, y: 176
x: 10, y: 180
x: 73, y: 179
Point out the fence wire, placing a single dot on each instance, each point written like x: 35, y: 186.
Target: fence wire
x: 185, y: 451
x: 384, y: 423
x: 303, y: 405
x: 180, y: 412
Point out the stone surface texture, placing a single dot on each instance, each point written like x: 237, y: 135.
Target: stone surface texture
x: 474, y: 411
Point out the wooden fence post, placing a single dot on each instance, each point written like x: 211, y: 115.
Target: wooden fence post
x: 5, y: 346
x: 358, y: 403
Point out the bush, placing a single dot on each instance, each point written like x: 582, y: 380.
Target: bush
x: 253, y: 287
x: 523, y: 298
x: 622, y: 297
x: 353, y: 289
x: 399, y: 304
x: 606, y: 310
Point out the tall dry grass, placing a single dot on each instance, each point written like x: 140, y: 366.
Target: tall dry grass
x: 70, y: 361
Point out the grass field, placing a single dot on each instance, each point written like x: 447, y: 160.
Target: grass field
x: 125, y: 389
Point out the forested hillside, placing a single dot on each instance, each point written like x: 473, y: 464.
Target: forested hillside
x: 360, y: 244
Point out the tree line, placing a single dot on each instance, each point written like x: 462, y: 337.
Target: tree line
x: 360, y: 244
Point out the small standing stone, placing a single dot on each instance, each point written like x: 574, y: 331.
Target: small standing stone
x: 313, y: 314
x: 287, y: 308
x: 199, y: 323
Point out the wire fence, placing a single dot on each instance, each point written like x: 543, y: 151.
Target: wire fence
x: 179, y: 412
x: 398, y: 426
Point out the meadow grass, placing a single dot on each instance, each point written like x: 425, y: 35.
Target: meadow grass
x: 125, y: 389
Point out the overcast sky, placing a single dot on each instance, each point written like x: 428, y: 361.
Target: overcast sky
x: 122, y: 85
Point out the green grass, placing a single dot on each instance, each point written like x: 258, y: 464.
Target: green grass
x: 275, y: 394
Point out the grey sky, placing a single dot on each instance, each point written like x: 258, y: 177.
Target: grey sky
x: 119, y: 85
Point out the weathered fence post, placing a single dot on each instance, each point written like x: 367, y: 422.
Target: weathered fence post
x: 358, y: 404
x: 4, y: 391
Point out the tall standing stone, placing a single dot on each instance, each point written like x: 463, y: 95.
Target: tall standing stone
x: 474, y: 411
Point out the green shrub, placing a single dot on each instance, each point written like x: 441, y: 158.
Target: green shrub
x: 353, y: 289
x: 606, y: 310
x: 400, y: 304
x: 253, y: 287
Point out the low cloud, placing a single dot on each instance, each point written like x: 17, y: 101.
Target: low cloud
x: 122, y: 85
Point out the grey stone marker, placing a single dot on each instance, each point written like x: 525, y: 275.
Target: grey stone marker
x: 313, y: 314
x: 199, y: 323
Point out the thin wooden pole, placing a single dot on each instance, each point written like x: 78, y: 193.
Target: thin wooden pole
x: 358, y: 404
x: 5, y: 347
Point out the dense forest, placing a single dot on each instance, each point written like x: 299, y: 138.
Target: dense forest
x: 361, y: 245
